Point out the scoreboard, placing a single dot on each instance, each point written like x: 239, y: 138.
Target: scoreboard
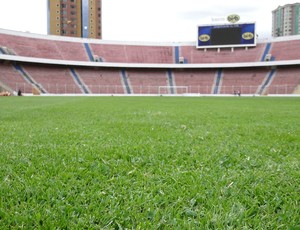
x: 226, y: 35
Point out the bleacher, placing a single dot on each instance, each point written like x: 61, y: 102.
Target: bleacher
x: 12, y: 79
x: 147, y: 81
x: 245, y: 81
x: 62, y: 65
x: 101, y: 80
x: 54, y: 79
x: 225, y: 55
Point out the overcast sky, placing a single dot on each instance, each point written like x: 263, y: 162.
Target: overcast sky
x: 148, y: 20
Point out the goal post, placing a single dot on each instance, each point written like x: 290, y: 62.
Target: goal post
x: 172, y: 90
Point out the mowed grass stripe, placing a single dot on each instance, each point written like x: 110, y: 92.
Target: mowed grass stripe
x: 149, y: 163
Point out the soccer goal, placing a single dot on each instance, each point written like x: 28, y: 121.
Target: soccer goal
x: 172, y: 90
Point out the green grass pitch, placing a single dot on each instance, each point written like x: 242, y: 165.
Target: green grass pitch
x: 149, y: 163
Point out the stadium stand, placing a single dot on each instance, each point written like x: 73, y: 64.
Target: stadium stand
x: 63, y: 65
x: 225, y: 55
x: 286, y: 81
x: 199, y: 81
x: 133, y: 53
x: 102, y: 80
x: 41, y: 47
x: 11, y: 79
x: 147, y: 81
x: 54, y: 79
x: 285, y: 50
x: 246, y: 80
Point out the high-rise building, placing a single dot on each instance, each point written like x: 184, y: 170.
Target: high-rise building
x: 75, y: 18
x: 286, y: 20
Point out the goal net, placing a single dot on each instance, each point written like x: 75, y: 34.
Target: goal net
x: 172, y: 89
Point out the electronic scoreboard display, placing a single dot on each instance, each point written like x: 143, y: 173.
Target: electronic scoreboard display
x: 226, y: 35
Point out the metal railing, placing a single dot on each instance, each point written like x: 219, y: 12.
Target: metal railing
x: 117, y: 89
